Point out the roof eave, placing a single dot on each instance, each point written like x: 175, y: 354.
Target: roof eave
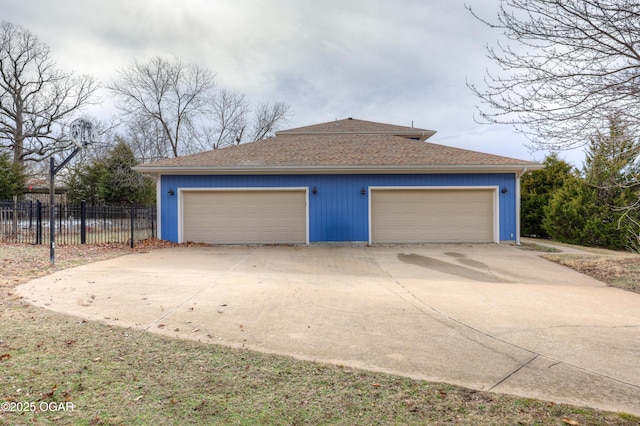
x: 376, y: 169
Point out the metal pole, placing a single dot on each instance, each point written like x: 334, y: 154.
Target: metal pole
x: 153, y: 227
x: 81, y: 131
x: 14, y: 234
x: 133, y: 211
x: 38, y: 222
x: 53, y: 170
x: 52, y: 220
x: 83, y: 222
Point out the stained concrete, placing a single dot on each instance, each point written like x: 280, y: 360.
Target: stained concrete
x: 488, y: 317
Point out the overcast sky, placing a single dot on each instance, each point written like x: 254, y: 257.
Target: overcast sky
x: 391, y: 61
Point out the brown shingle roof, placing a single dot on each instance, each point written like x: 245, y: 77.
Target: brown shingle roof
x: 317, y: 148
x: 352, y: 126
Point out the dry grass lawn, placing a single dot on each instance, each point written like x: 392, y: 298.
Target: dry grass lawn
x: 621, y: 270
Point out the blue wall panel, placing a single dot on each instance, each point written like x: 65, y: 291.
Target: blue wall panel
x: 338, y: 211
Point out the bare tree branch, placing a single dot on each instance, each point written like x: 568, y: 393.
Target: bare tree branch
x: 35, y: 97
x: 223, y: 121
x: 565, y: 68
x: 174, y: 109
x: 268, y: 119
x: 147, y: 139
x: 168, y: 92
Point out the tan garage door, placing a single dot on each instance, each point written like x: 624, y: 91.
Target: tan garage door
x: 244, y: 217
x: 432, y: 215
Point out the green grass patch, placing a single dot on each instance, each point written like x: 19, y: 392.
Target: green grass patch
x: 538, y: 247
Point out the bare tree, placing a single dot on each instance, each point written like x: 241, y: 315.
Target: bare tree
x: 147, y: 138
x: 232, y: 121
x: 36, y: 98
x: 173, y: 109
x: 168, y: 93
x: 565, y: 68
x: 268, y: 117
x: 226, y: 118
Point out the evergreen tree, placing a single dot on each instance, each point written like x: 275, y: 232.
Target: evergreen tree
x: 598, y: 209
x: 574, y: 215
x: 111, y: 180
x: 537, y: 188
x: 610, y: 162
x: 120, y: 184
x: 84, y: 182
x: 12, y: 178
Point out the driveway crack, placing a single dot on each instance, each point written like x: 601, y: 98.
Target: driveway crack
x: 604, y: 327
x: 189, y: 298
x: 420, y: 304
x: 443, y: 318
x: 513, y: 372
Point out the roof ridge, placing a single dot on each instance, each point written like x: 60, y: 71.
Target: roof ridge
x: 351, y: 126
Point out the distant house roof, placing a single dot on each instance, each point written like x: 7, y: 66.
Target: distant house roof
x: 341, y: 146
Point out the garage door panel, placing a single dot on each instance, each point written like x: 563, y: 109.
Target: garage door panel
x: 432, y: 215
x: 245, y: 216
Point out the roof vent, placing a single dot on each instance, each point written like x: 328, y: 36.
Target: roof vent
x: 350, y: 118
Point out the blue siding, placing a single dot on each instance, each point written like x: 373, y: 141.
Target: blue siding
x: 338, y: 211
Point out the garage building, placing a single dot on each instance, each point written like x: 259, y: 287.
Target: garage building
x: 342, y: 181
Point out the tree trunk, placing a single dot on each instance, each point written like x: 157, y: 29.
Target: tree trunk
x: 18, y: 144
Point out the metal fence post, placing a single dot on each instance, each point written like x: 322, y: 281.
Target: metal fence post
x: 59, y: 212
x: 83, y: 222
x: 30, y: 215
x: 153, y: 219
x: 133, y: 209
x: 52, y: 212
x: 38, y: 222
x: 14, y: 232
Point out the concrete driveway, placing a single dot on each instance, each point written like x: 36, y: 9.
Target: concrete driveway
x: 488, y: 317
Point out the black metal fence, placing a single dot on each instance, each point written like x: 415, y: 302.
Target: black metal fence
x: 28, y: 222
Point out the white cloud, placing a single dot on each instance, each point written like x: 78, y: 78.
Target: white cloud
x: 395, y: 62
